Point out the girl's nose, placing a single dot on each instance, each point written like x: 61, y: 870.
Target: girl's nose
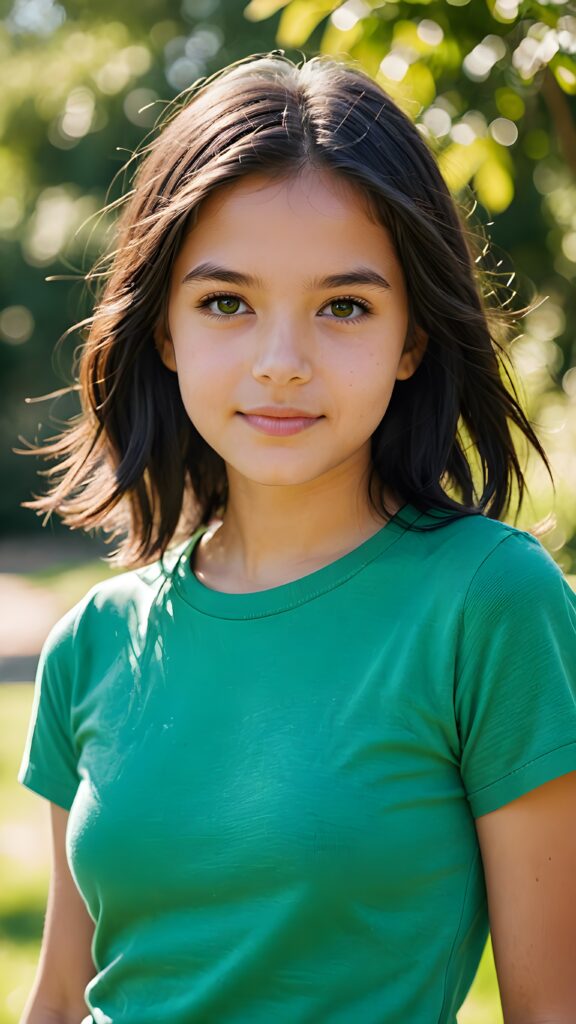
x: 282, y: 354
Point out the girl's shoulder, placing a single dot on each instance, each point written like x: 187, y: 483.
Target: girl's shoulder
x: 118, y: 603
x: 477, y: 549
x: 506, y: 580
x: 485, y: 571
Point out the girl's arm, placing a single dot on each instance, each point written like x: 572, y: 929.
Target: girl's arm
x: 65, y: 965
x: 529, y: 854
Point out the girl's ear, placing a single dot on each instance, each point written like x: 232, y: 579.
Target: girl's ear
x: 165, y: 349
x: 412, y: 357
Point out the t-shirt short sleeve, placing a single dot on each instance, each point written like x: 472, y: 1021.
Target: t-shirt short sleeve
x: 515, y: 685
x: 49, y: 762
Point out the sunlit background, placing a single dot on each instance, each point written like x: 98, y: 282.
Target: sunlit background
x: 491, y: 84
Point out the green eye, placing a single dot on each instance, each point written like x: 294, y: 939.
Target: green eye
x: 342, y: 302
x: 226, y: 300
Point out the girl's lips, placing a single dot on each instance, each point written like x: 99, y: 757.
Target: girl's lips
x: 280, y: 426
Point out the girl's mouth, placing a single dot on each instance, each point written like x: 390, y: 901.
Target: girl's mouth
x: 277, y: 426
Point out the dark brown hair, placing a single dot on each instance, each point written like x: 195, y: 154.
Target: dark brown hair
x: 132, y: 464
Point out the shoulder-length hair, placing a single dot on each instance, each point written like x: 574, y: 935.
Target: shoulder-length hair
x: 132, y: 464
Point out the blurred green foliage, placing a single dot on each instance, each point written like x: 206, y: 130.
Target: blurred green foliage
x: 491, y: 84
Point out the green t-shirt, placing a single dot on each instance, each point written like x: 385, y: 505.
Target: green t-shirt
x: 272, y: 795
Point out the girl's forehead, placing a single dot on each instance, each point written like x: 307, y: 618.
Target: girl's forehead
x: 258, y: 258
x: 302, y: 217
x: 312, y: 190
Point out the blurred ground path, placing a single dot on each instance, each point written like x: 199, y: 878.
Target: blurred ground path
x: 28, y: 608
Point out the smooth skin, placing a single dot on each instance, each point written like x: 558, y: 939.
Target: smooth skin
x: 529, y: 855
x: 299, y: 502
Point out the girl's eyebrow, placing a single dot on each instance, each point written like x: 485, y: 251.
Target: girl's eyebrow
x: 358, y: 275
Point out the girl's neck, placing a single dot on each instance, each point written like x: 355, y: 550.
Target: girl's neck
x: 251, y: 550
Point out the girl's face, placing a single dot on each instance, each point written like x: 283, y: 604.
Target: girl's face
x: 262, y: 326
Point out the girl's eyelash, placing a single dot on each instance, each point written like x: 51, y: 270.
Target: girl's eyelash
x: 366, y: 308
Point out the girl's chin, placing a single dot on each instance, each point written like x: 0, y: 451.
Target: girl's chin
x: 272, y: 475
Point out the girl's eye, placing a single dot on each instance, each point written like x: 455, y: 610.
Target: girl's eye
x: 229, y: 302
x: 347, y: 301
x: 229, y: 307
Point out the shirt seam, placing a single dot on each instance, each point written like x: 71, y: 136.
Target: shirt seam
x: 179, y: 588
x: 473, y: 864
x: 520, y: 768
x: 36, y: 774
x: 460, y: 627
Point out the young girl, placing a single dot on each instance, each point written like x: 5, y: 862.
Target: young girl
x: 300, y: 760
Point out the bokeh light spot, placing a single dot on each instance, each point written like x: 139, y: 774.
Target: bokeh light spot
x: 349, y: 14
x: 430, y: 32
x: 569, y: 246
x: 463, y: 134
x: 141, y: 107
x: 394, y: 67
x: 503, y: 131
x: 437, y: 121
x: 35, y: 17
x: 77, y: 118
x: 16, y: 325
